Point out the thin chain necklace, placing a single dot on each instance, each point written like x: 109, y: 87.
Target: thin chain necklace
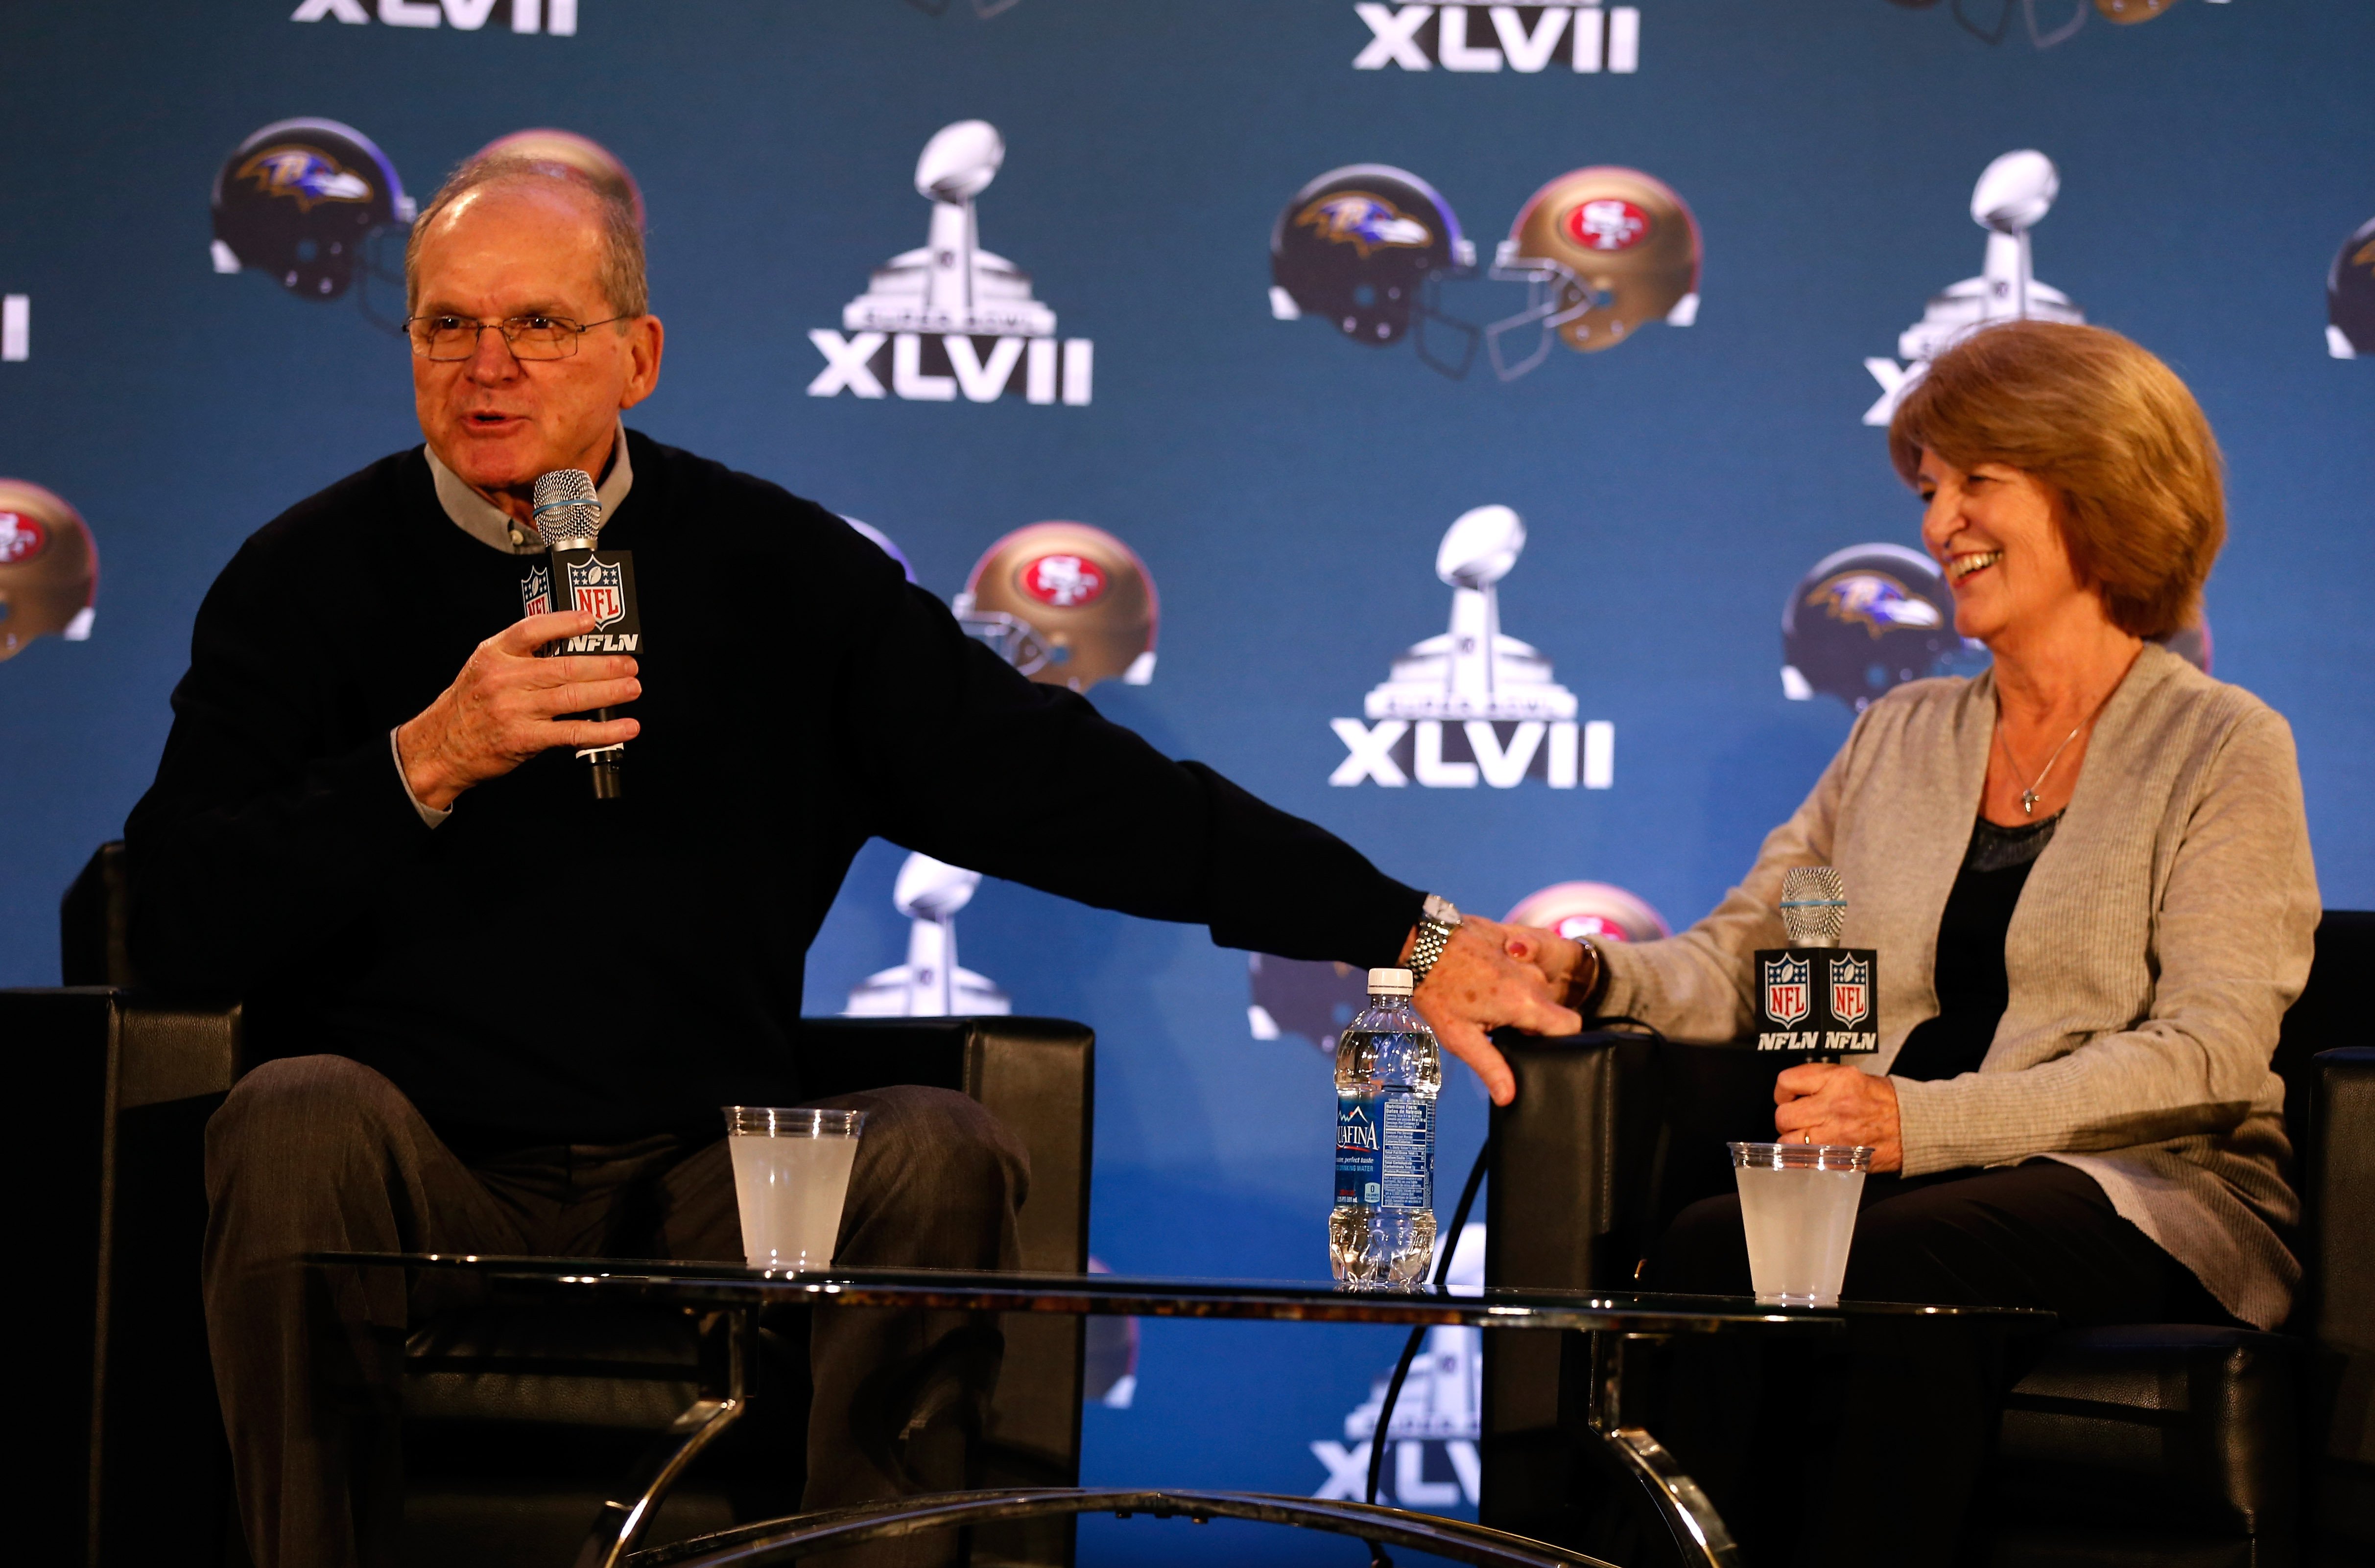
x: 2030, y: 786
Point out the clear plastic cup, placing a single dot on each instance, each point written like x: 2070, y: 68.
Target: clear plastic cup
x: 1797, y: 1202
x: 791, y: 1175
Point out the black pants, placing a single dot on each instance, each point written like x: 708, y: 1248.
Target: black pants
x: 1872, y: 1451
x: 320, y: 1153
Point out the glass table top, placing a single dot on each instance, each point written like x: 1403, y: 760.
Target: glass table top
x: 726, y: 1284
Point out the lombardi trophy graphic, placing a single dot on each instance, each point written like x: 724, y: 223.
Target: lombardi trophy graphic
x: 1436, y: 1419
x: 1472, y: 671
x: 929, y: 985
x: 952, y: 285
x: 2014, y: 195
x: 1474, y: 706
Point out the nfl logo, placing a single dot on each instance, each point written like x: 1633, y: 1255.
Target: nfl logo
x: 1789, y: 996
x: 1851, y: 991
x: 594, y: 585
x: 535, y: 592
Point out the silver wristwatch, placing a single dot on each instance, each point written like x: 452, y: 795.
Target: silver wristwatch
x: 1437, y: 922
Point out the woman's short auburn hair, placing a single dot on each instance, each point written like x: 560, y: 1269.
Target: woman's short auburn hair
x: 2110, y: 430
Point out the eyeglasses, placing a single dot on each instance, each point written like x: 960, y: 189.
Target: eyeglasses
x: 530, y: 337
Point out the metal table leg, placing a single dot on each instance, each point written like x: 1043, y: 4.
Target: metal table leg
x: 1699, y: 1530
x: 620, y: 1527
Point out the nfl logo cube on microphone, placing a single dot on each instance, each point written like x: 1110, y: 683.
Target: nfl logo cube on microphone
x: 1818, y: 1001
x: 598, y: 582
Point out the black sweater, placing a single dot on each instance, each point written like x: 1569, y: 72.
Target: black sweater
x: 547, y: 966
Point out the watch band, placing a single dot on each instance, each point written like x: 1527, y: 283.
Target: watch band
x: 1435, y: 926
x: 1598, y: 973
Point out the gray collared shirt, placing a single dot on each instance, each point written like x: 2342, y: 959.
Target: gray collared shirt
x: 485, y: 522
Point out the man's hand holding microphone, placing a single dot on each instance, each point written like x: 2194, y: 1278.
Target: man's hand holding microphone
x: 508, y: 704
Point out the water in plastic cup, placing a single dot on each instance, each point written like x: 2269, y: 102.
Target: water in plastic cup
x: 791, y: 1173
x: 1798, y: 1201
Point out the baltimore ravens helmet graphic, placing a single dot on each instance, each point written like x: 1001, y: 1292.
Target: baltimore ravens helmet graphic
x: 1313, y: 1000
x: 597, y: 163
x: 2350, y: 295
x: 49, y: 567
x: 1363, y: 248
x: 298, y: 199
x: 1600, y: 911
x: 1066, y: 604
x: 1601, y: 252
x: 1865, y: 621
x: 882, y: 541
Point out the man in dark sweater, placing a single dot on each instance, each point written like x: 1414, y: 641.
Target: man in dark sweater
x: 393, y: 862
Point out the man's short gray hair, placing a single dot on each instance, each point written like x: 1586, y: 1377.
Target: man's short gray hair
x: 620, y: 270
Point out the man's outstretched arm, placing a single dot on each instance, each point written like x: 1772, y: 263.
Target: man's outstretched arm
x: 981, y: 768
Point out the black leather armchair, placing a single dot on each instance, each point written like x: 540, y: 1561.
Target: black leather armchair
x: 516, y: 1423
x: 2156, y: 1445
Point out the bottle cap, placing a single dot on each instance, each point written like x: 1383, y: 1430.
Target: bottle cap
x: 1390, y: 982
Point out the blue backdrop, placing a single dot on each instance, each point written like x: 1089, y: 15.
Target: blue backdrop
x: 1285, y: 486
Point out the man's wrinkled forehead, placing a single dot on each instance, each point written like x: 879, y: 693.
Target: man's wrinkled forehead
x: 538, y: 241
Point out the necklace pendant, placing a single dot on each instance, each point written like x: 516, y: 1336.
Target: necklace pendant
x: 2028, y: 802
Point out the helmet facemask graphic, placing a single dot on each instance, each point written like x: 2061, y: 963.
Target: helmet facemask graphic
x: 1601, y: 252
x: 985, y: 9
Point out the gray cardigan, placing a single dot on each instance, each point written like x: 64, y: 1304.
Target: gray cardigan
x: 2157, y: 942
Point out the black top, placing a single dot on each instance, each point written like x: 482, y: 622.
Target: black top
x: 547, y: 966
x: 1972, y: 989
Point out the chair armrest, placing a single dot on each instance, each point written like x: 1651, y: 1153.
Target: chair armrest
x: 1572, y: 1161
x: 1036, y: 1076
x: 2338, y: 1184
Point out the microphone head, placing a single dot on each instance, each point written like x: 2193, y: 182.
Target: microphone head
x: 1813, y: 906
x: 566, y: 507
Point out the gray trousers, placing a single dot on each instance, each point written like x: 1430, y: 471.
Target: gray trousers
x: 320, y: 1153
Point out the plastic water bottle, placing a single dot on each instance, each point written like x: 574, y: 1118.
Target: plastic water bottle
x: 1388, y: 1070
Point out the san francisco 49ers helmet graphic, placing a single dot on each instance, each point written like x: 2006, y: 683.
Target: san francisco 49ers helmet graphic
x: 569, y: 149
x: 1066, y: 604
x: 49, y: 567
x: 1865, y: 621
x: 1602, y: 250
x: 298, y: 199
x: 2350, y: 295
x: 1363, y: 248
x: 1601, y: 910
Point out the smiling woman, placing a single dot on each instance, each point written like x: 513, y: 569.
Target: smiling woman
x: 2087, y: 873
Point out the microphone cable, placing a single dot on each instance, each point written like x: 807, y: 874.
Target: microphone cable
x: 1377, y: 1555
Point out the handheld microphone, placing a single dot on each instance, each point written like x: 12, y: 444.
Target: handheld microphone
x: 577, y: 573
x: 1813, y: 996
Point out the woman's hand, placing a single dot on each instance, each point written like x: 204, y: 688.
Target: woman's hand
x: 1480, y: 984
x: 1567, y: 966
x: 1832, y: 1102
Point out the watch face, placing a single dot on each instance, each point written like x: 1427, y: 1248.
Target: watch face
x: 1440, y: 908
